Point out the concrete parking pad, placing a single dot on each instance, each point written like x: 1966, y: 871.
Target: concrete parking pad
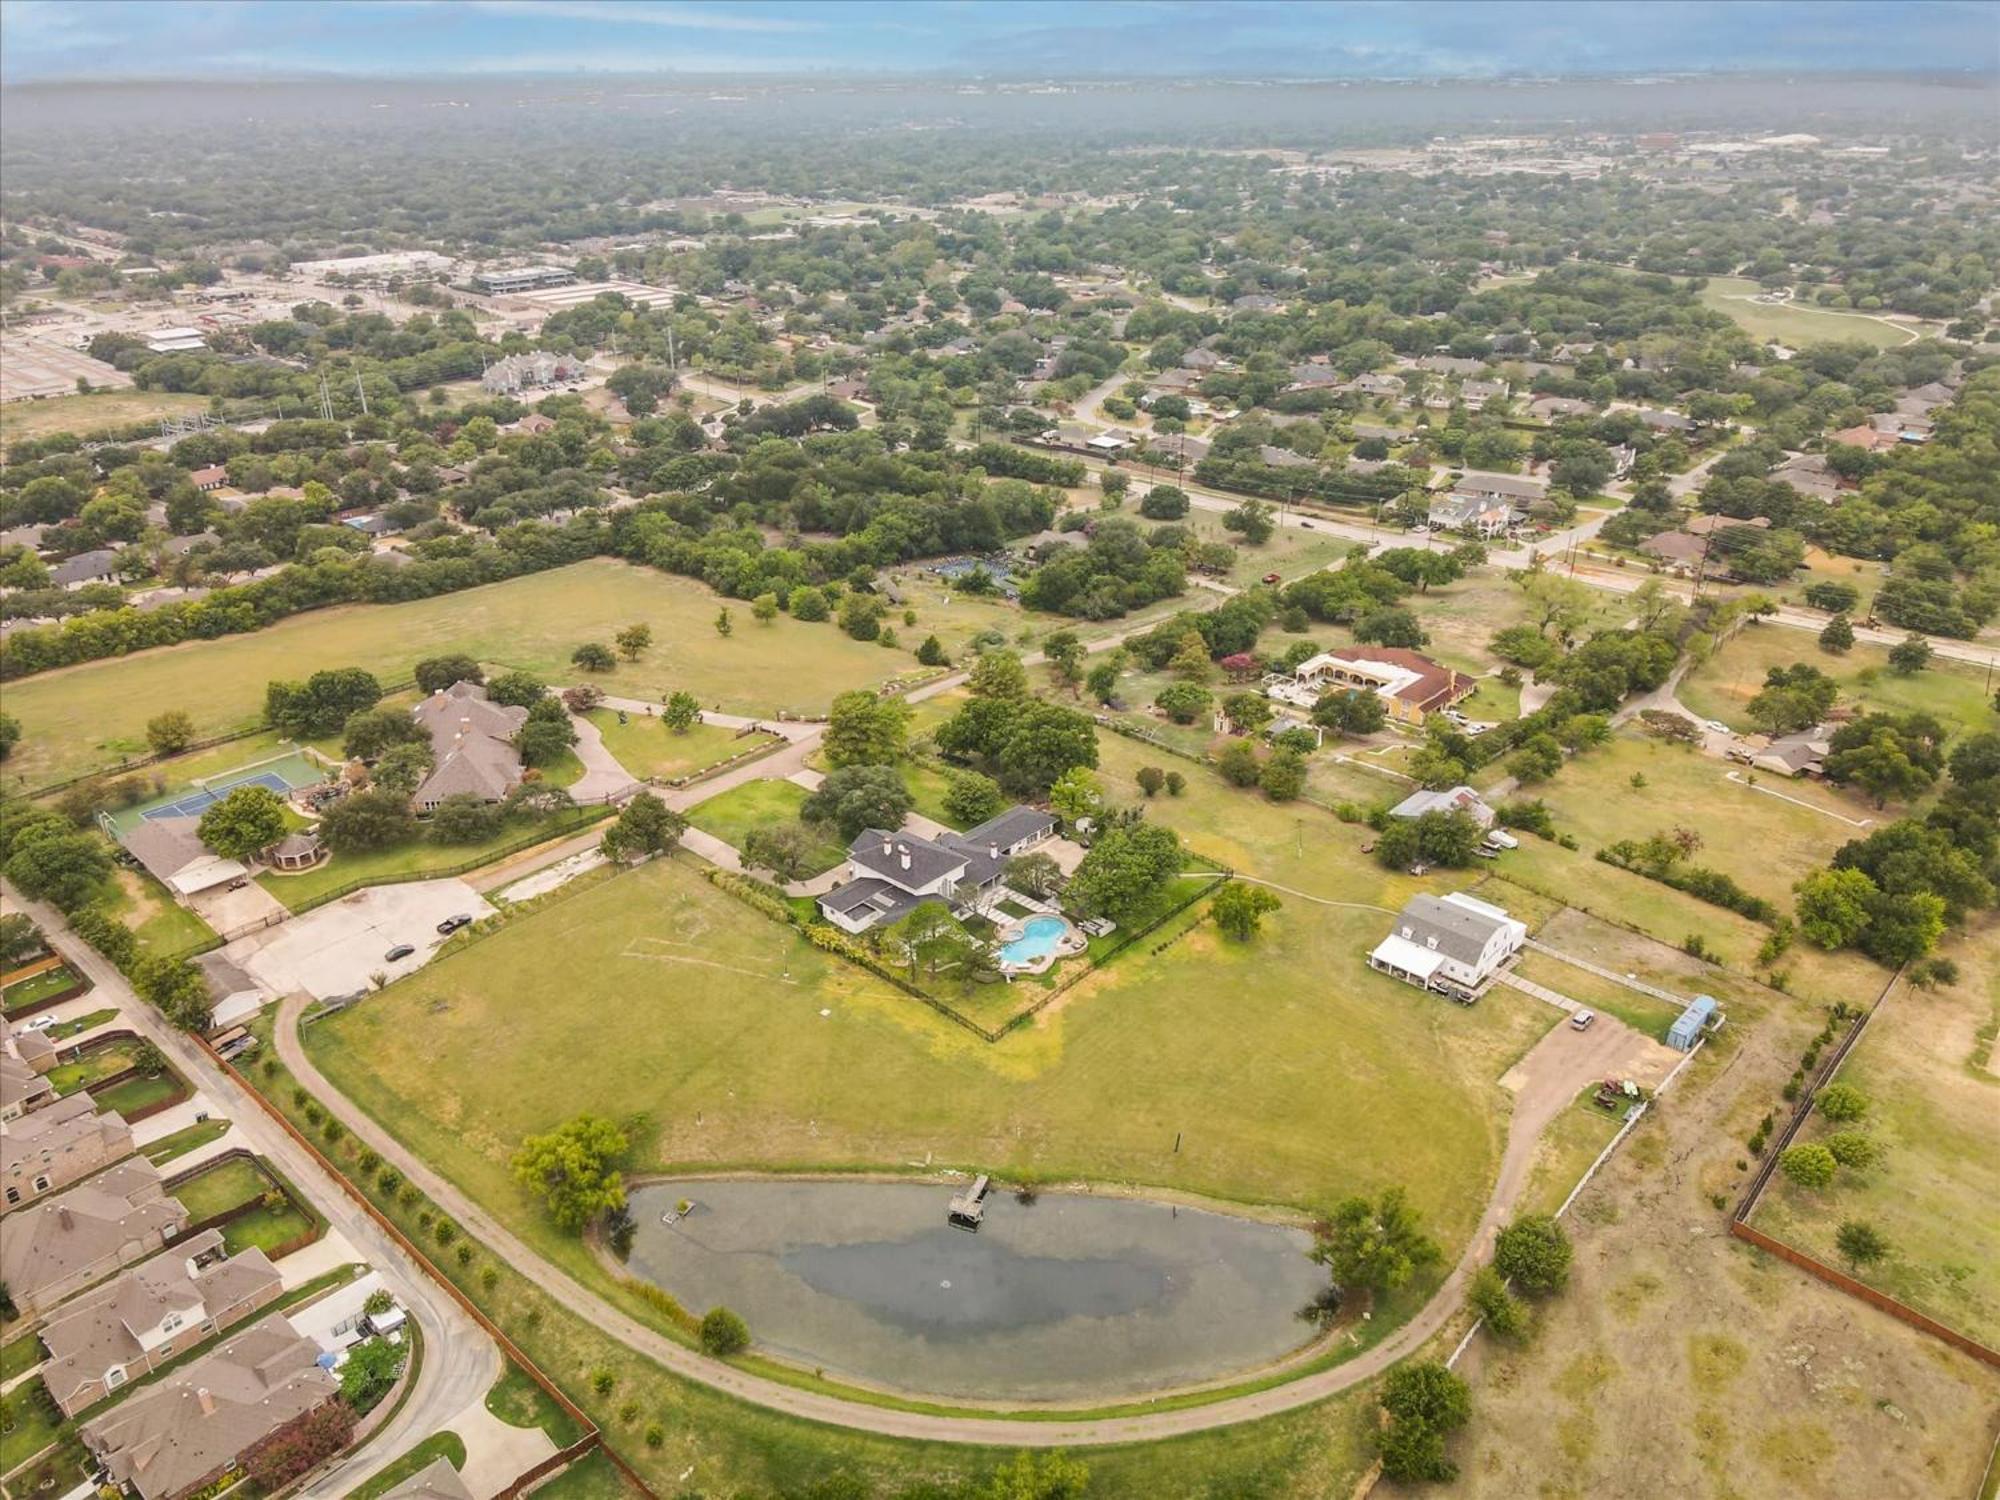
x: 335, y: 949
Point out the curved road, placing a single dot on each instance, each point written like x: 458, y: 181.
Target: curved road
x: 1552, y: 1073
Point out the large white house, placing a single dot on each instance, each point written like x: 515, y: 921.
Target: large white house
x: 889, y: 874
x: 1452, y: 943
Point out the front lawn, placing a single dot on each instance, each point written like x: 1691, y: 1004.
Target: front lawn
x: 1722, y: 687
x: 173, y: 1147
x: 136, y: 1094
x: 446, y: 1445
x: 765, y: 804
x: 31, y: 1424
x: 18, y: 1356
x: 63, y: 1030
x: 644, y: 746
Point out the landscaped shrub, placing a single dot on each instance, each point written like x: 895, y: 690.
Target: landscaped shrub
x: 300, y: 1445
x: 723, y: 1333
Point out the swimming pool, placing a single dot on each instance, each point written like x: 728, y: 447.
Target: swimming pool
x: 1038, y: 939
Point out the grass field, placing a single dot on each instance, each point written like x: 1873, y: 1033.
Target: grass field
x: 222, y: 1187
x: 1935, y: 1109
x: 64, y: 1030
x: 649, y: 750
x: 1764, y: 841
x: 592, y: 1477
x: 160, y: 923
x: 1723, y: 686
x: 416, y: 860
x: 72, y: 718
x: 36, y: 988
x: 519, y: 1402
x: 1569, y: 1144
x: 756, y: 1075
x: 30, y: 419
x: 181, y: 1142
x: 763, y: 804
x: 1795, y: 325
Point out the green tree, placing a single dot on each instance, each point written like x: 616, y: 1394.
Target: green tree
x: 785, y: 849
x: 633, y: 640
x: 1860, y: 1244
x: 248, y: 819
x: 1841, y: 1103
x: 1426, y: 1402
x: 1284, y: 776
x: 1043, y: 741
x: 575, y: 1169
x: 20, y: 940
x: 516, y: 689
x: 1534, y: 1254
x: 1124, y: 869
x: 644, y: 826
x: 369, y: 1371
x: 861, y: 615
x: 853, y: 798
x: 1239, y: 909
x: 865, y: 729
x: 1833, y: 906
x: 724, y: 626
x: 10, y: 735
x: 1075, y: 795
x: 971, y: 798
x: 593, y: 656
x: 1505, y: 1317
x: 1183, y: 702
x: 1102, y: 681
x: 723, y: 1333
x: 1064, y: 653
x: 809, y: 604
x: 465, y: 818
x: 929, y: 937
x: 1035, y: 874
x: 932, y: 653
x: 374, y: 731
x: 681, y: 712
x: 1251, y: 520
x: 544, y: 741
x: 1248, y: 711
x: 402, y: 768
x: 1350, y: 712
x: 171, y: 732
x: 1033, y: 1476
x: 1838, y: 637
x: 1375, y: 1246
x: 1854, y: 1148
x: 362, y: 822
x: 1909, y: 656
x: 1882, y: 767
x: 52, y: 861
x: 1164, y: 502
x: 1811, y: 1166
x: 764, y: 608
x: 998, y: 674
x: 1446, y: 839
x: 1151, y: 779
x: 1539, y: 757
x: 1239, y: 763
x: 320, y: 705
x: 436, y: 673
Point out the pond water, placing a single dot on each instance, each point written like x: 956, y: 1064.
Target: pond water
x: 1068, y: 1297
x: 1038, y: 939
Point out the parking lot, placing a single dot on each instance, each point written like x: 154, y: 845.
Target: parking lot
x: 338, y: 948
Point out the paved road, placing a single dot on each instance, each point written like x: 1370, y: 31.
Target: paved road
x: 461, y: 1362
x: 1544, y: 1082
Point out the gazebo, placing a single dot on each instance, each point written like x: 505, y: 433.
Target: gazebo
x: 297, y: 851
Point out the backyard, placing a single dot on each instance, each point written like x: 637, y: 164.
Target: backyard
x: 24, y: 994
x: 83, y: 717
x: 232, y: 1182
x: 419, y: 859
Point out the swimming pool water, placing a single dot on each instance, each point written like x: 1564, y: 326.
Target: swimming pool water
x: 1038, y: 939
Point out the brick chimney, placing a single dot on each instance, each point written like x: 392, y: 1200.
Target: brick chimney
x: 64, y: 1218
x: 905, y: 852
x: 207, y: 1401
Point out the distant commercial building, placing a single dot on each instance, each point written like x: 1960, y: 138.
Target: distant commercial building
x: 524, y: 372
x: 176, y: 340
x: 521, y: 279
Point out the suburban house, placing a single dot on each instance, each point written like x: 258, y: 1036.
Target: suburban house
x: 1548, y: 408
x: 1809, y: 475
x: 1445, y: 364
x: 1513, y: 489
x: 1800, y: 754
x: 472, y: 745
x: 233, y: 995
x: 1864, y: 436
x: 1666, y: 421
x: 1314, y: 376
x: 1907, y: 427
x: 1925, y: 399
x: 86, y: 567
x: 22, y: 1087
x: 1199, y: 358
x: 191, y: 1428
x: 151, y: 1314
x: 57, y: 1143
x: 1479, y: 392
x: 1675, y: 548
x: 1409, y: 683
x: 55, y: 1249
x: 437, y: 1480
x: 172, y: 852
x: 889, y: 874
x: 1471, y: 513
x: 1452, y: 943
x: 1457, y: 799
x: 1373, y: 384
x: 214, y: 477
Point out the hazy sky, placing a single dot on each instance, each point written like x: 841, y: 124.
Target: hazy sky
x: 45, y: 39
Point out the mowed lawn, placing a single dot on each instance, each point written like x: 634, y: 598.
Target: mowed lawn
x: 1289, y: 1072
x: 649, y: 750
x: 732, y: 815
x: 1722, y: 687
x: 1802, y: 323
x: 1934, y: 1105
x: 92, y: 715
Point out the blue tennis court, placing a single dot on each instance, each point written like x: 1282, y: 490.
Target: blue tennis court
x: 195, y: 803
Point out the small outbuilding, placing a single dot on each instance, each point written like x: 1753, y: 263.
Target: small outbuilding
x: 1700, y: 1014
x: 296, y: 851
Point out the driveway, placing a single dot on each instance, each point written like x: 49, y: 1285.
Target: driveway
x: 228, y: 910
x: 603, y: 779
x: 337, y: 949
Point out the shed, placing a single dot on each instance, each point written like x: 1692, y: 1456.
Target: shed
x: 1683, y: 1034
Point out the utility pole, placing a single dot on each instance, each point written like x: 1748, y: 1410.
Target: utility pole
x: 360, y: 392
